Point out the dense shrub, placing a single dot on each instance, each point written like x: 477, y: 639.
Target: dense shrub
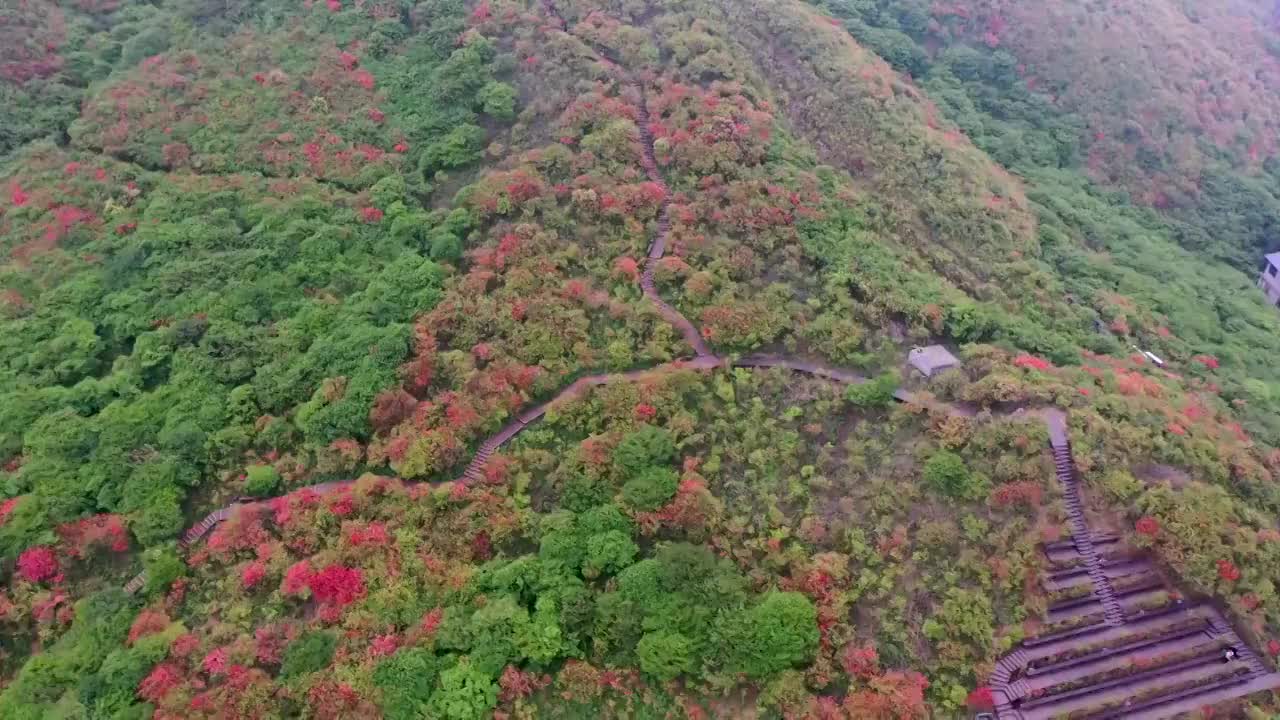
x: 947, y: 473
x: 261, y: 480
x: 308, y: 654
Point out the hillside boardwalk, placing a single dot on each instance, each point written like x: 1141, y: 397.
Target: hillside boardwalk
x: 1129, y: 662
x: 1108, y: 630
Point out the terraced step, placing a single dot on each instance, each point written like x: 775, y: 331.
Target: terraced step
x: 1047, y: 645
x: 1017, y: 690
x: 1118, y: 657
x: 1194, y: 699
x: 1081, y: 632
x: 1005, y: 711
x: 1132, y: 684
x: 1098, y: 538
x: 1124, y: 689
x: 1063, y: 579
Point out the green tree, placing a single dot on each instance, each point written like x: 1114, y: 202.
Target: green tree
x: 309, y: 653
x: 945, y: 472
x: 779, y: 632
x: 497, y: 99
x: 465, y: 693
x: 162, y: 566
x: 261, y: 480
x: 874, y: 393
x: 460, y: 146
x: 608, y: 553
x: 665, y: 655
x: 650, y: 445
x: 407, y: 681
x: 650, y: 489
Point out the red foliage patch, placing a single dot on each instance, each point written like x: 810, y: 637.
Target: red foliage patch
x: 645, y: 412
x: 148, y: 622
x: 371, y: 215
x: 892, y: 696
x: 7, y: 507
x: 161, y: 681
x: 627, y: 267
x: 481, y: 547
x: 1148, y: 526
x: 338, y: 584
x: 297, y: 577
x: 1027, y: 492
x: 330, y: 700
x: 1228, y: 571
x: 431, y: 621
x: 371, y: 534
x: 343, y: 505
x: 184, y: 645
x: 253, y: 574
x: 981, y: 700
x: 1208, y: 361
x: 384, y: 645
x: 97, y: 531
x: 860, y: 662
x: 1031, y: 362
x: 515, y: 684
x: 215, y: 663
x: 270, y: 641
x: 39, y: 564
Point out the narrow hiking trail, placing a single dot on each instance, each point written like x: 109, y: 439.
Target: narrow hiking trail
x: 1094, y: 669
x: 704, y: 358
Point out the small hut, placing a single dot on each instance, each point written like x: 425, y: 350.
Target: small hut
x: 932, y: 360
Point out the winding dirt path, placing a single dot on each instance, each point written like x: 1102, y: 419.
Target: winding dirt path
x: 704, y: 359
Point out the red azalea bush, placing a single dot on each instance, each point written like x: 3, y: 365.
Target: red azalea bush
x: 338, y: 584
x: 981, y: 700
x: 252, y: 574
x: 39, y: 564
x: 1031, y: 362
x: 1026, y: 492
x: 1208, y: 361
x: 1148, y: 526
x: 148, y: 622
x: 7, y: 507
x: 860, y: 662
x: 296, y: 578
x: 161, y: 681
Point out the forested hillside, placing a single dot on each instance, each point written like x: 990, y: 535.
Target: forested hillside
x: 539, y: 356
x: 1173, y: 103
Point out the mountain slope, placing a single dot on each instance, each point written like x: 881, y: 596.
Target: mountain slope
x: 335, y: 255
x: 1172, y: 102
